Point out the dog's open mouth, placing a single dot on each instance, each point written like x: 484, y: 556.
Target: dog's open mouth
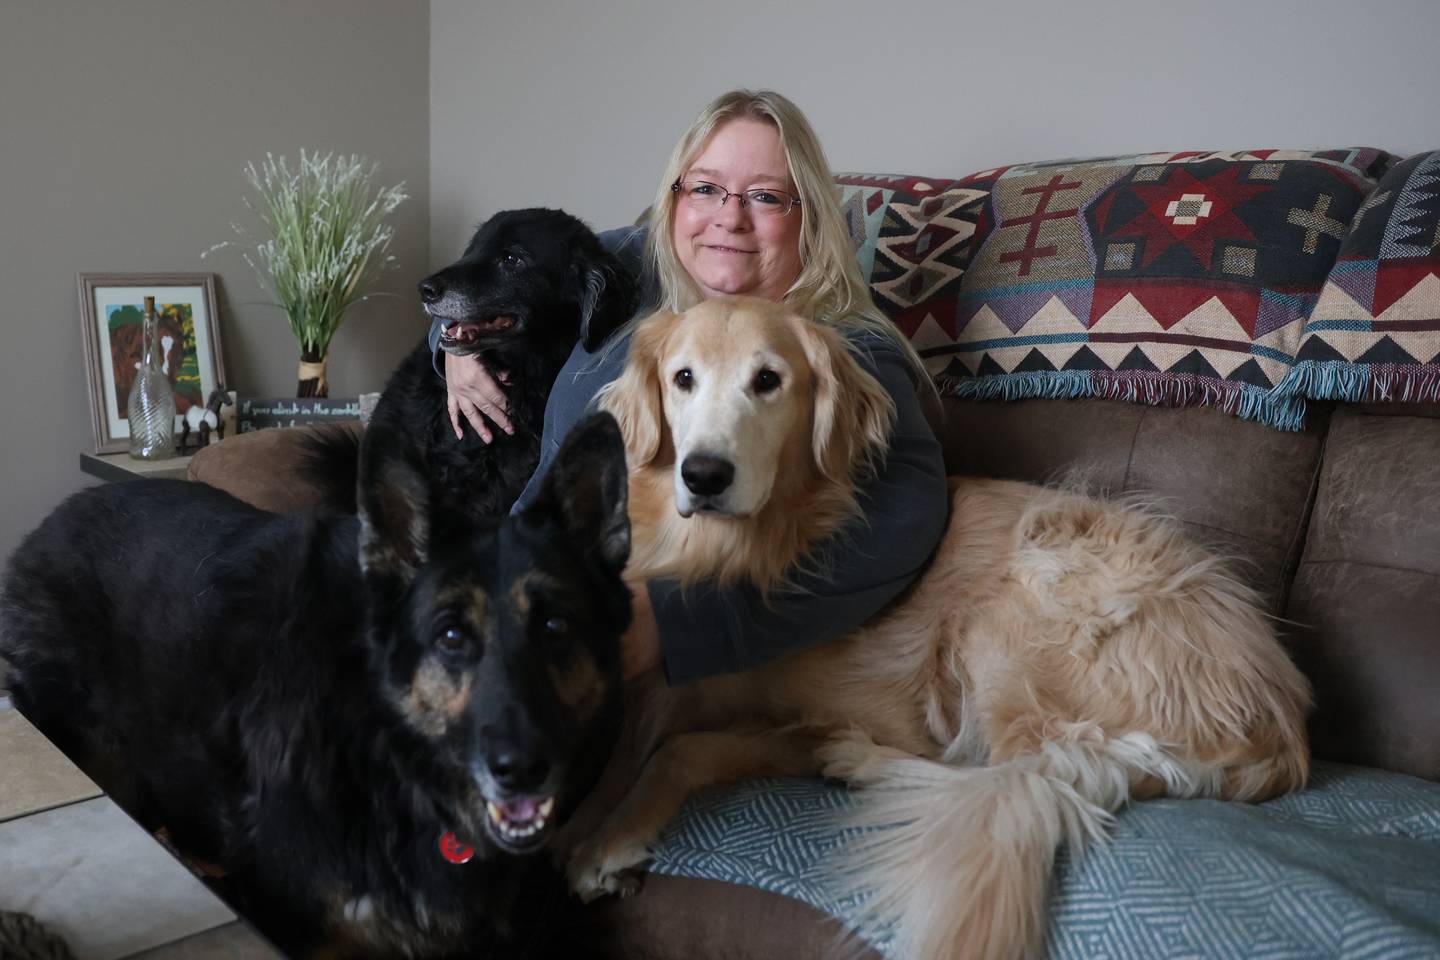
x: 461, y: 333
x: 520, y: 823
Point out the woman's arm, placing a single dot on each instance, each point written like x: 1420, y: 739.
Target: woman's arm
x: 703, y: 630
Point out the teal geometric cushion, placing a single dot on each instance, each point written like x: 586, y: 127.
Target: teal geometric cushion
x: 1349, y: 867
x: 1375, y: 333
x: 913, y: 240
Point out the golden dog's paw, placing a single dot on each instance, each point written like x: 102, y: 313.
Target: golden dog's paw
x: 851, y: 756
x: 598, y: 869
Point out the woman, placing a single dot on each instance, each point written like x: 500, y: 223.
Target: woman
x: 747, y: 206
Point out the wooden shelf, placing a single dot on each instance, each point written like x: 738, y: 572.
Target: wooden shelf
x: 112, y: 467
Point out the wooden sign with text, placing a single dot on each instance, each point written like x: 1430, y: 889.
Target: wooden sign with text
x: 260, y: 413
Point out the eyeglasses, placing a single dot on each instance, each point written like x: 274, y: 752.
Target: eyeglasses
x: 707, y: 197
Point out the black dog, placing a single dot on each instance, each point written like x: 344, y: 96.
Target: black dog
x: 340, y: 710
x: 529, y: 285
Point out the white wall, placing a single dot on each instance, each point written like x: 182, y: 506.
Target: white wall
x: 576, y: 103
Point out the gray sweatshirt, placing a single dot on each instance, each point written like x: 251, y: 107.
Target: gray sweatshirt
x: 705, y: 630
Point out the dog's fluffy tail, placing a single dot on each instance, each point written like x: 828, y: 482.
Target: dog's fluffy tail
x: 330, y: 463
x: 956, y: 861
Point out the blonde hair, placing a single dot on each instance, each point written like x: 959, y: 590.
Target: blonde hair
x: 830, y: 288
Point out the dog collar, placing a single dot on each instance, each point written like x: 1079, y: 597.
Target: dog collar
x: 453, y: 850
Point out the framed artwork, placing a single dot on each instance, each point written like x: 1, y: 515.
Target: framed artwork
x: 112, y: 313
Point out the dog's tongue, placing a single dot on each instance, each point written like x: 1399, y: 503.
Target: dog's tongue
x: 521, y: 808
x: 467, y: 330
x: 464, y: 332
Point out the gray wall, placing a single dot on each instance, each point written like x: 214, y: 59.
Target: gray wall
x: 577, y: 104
x: 123, y: 131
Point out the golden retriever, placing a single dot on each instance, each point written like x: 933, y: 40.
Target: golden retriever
x: 1060, y: 656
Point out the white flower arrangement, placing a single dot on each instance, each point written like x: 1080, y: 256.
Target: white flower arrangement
x: 328, y: 242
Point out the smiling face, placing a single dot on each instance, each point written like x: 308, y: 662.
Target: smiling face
x: 528, y: 278
x: 498, y: 643
x: 732, y: 250
x: 509, y: 670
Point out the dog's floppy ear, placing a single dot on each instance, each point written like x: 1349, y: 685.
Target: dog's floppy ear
x: 608, y: 295
x: 393, y: 502
x: 586, y: 491
x: 853, y: 413
x: 635, y: 396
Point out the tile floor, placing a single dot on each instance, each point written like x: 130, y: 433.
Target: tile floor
x: 73, y: 860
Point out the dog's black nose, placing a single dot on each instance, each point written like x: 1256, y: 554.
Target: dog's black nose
x: 431, y: 289
x: 706, y: 475
x: 517, y: 771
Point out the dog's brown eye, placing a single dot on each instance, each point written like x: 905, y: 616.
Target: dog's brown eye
x: 557, y: 626
x: 512, y: 260
x: 452, y: 640
x: 684, y: 379
x: 765, y: 381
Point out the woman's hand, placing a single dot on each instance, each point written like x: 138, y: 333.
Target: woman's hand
x: 640, y: 646
x: 470, y: 392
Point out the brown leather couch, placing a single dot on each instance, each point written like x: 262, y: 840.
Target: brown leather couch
x: 1338, y: 526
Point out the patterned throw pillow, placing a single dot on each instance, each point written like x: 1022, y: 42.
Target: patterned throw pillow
x: 1375, y: 334
x: 914, y: 237
x: 1168, y: 279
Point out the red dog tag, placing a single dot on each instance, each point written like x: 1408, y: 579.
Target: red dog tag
x: 453, y: 850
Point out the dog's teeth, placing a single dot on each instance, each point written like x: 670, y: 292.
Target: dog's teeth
x: 512, y: 830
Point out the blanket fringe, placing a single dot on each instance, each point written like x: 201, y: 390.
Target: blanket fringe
x: 1361, y: 382
x: 1249, y: 402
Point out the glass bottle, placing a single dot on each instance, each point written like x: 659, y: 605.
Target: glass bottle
x: 151, y: 410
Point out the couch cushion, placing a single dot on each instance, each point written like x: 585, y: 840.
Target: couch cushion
x: 1348, y: 867
x: 1169, y: 279
x: 689, y: 918
x: 1366, y: 595
x: 261, y: 467
x: 1375, y: 334
x: 1238, y: 486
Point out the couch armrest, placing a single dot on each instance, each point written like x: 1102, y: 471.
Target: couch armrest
x: 1366, y: 598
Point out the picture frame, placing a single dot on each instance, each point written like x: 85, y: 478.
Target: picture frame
x: 111, y: 309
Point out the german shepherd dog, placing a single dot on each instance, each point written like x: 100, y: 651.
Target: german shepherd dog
x: 528, y: 286
x: 1060, y: 656
x: 372, y: 724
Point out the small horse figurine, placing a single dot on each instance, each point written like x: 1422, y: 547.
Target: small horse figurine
x: 204, y: 419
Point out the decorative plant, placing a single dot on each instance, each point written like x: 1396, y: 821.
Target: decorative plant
x: 328, y: 241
